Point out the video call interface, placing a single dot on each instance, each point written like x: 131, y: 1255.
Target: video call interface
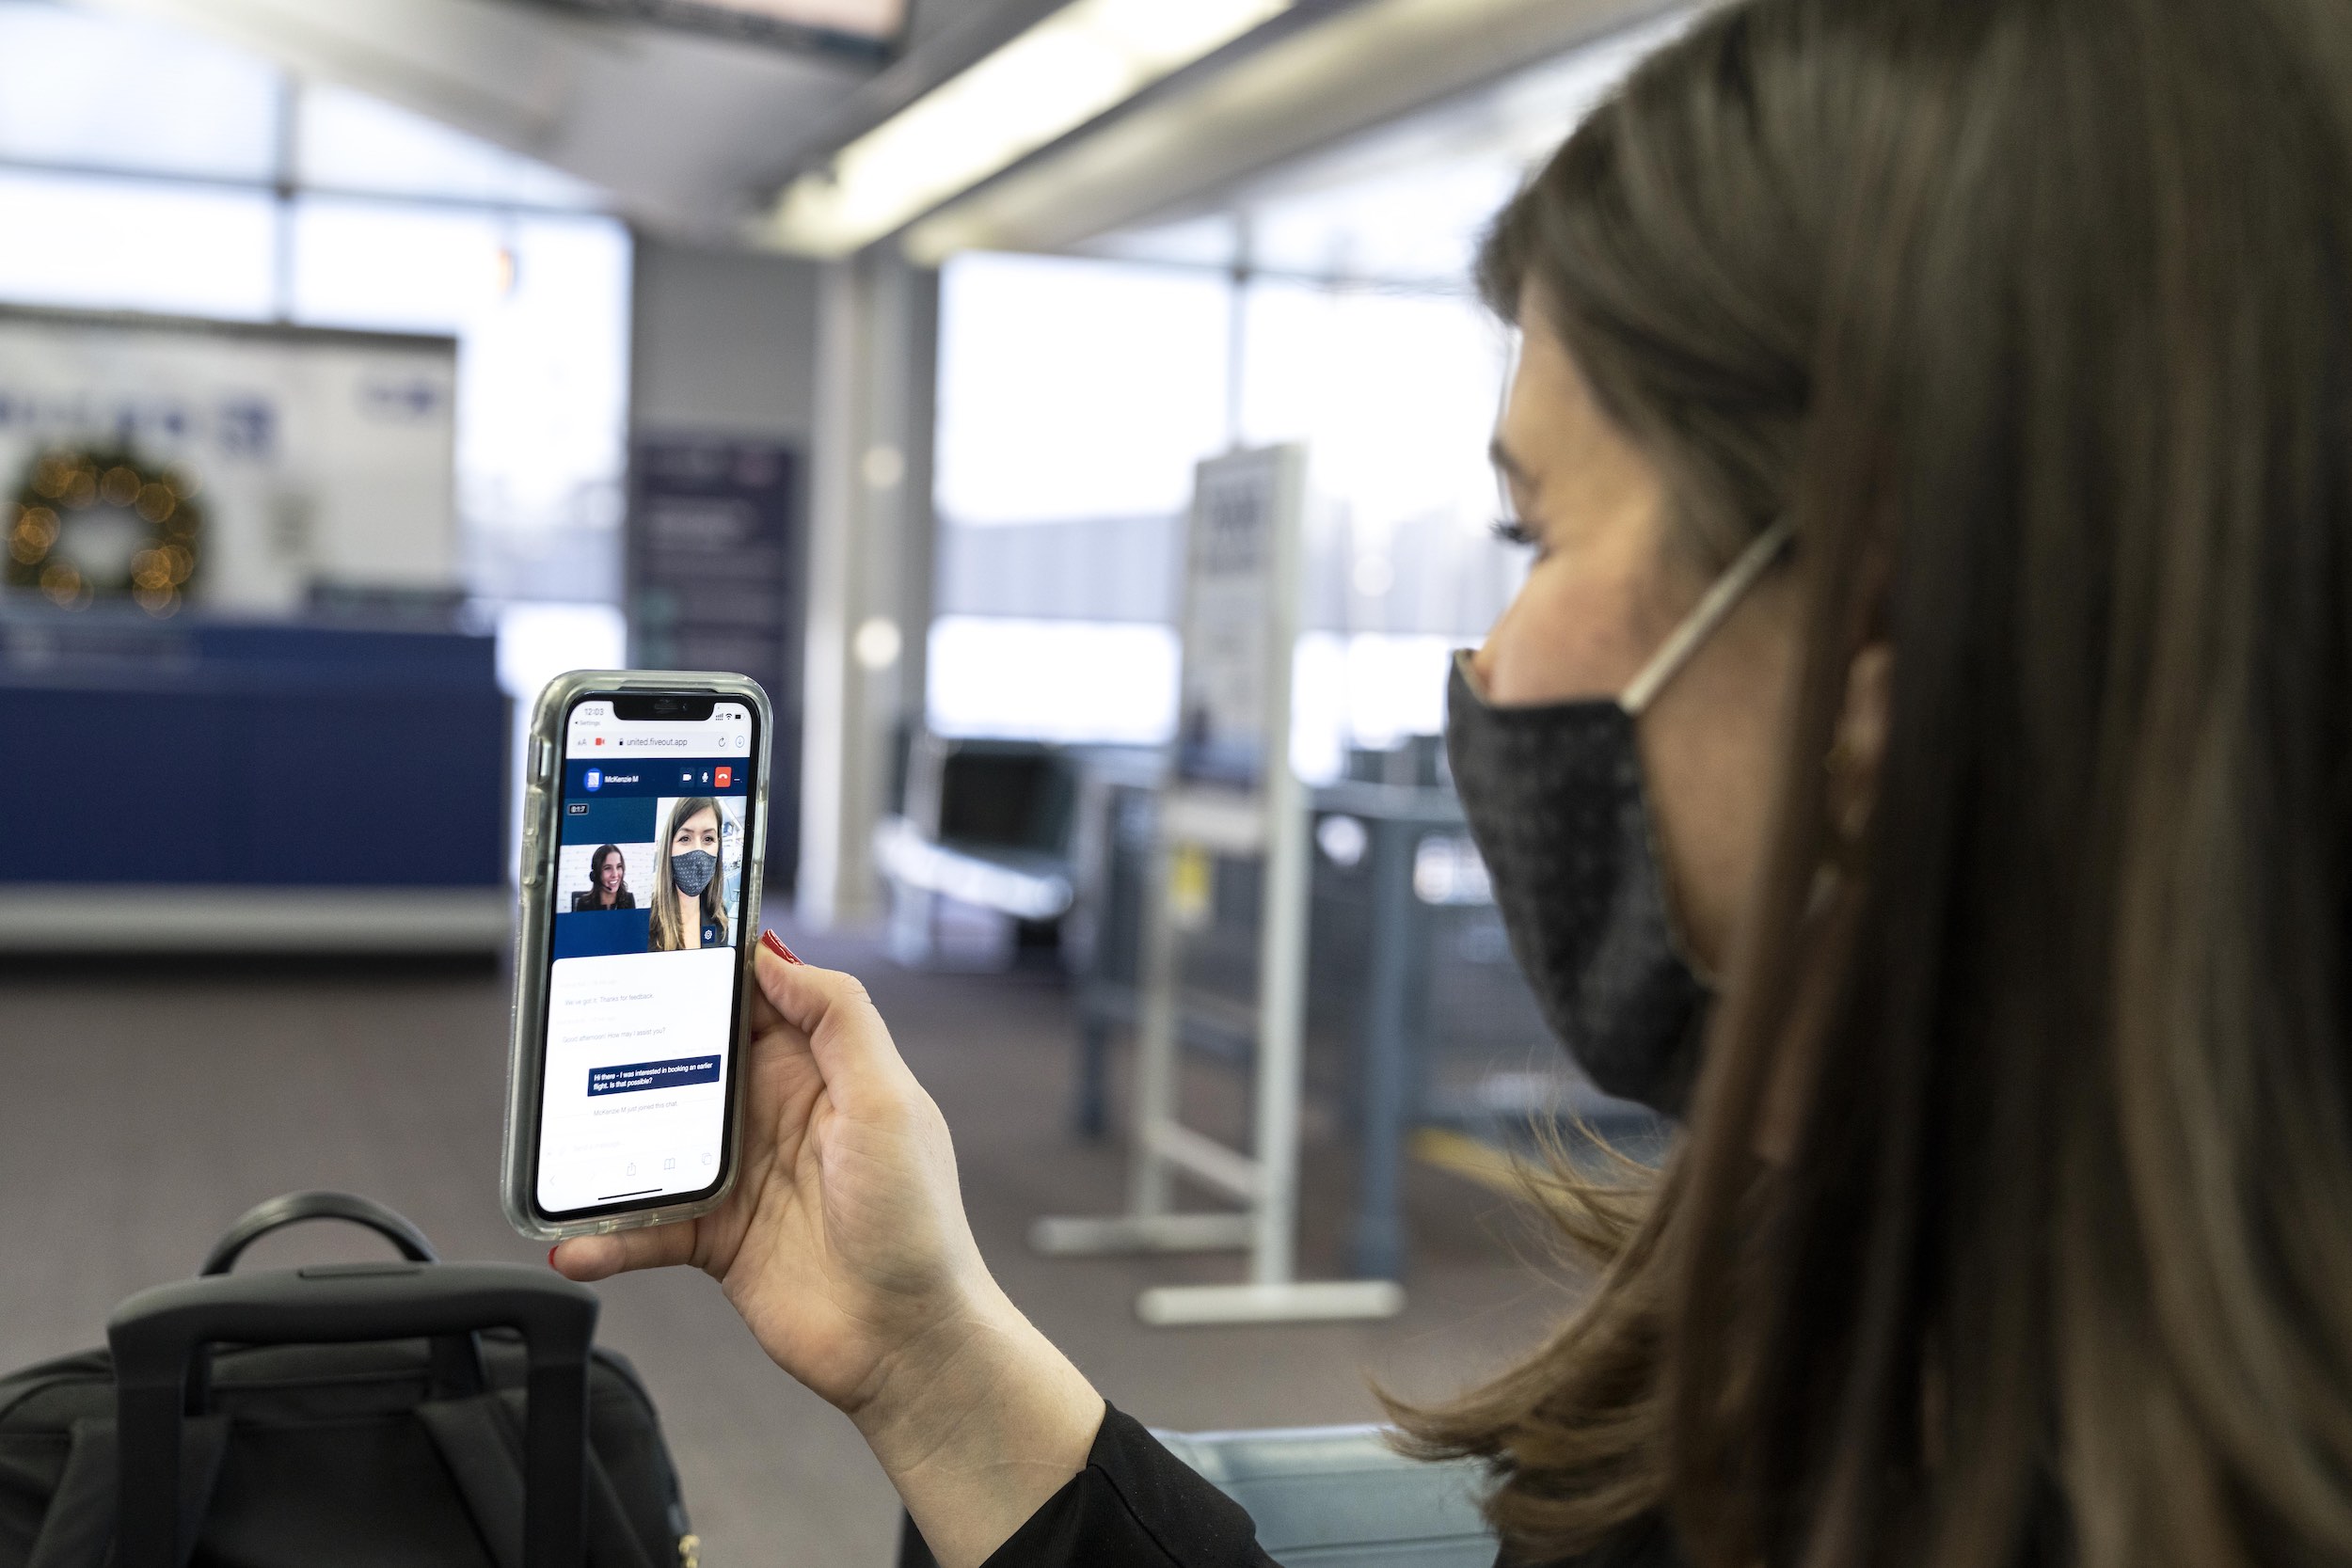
x: 649, y: 901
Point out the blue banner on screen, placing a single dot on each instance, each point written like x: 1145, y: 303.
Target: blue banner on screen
x: 627, y: 820
x: 685, y: 775
x: 639, y: 1076
x: 595, y: 933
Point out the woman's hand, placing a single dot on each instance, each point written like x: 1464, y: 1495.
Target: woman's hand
x: 844, y: 1245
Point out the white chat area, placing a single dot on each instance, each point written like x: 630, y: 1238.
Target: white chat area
x: 634, y: 1092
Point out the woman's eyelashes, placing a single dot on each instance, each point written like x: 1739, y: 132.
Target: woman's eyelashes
x: 1511, y: 530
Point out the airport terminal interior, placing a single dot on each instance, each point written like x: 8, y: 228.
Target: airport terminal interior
x: 1071, y: 419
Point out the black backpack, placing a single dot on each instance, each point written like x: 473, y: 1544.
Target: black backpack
x: 377, y: 1414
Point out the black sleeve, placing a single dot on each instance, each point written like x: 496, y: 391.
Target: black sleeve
x: 1135, y: 1503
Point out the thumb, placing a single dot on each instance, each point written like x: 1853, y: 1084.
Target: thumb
x: 588, y: 1258
x: 846, y: 1034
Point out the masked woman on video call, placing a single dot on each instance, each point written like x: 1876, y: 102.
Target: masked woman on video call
x: 1919, y: 758
x: 689, y: 893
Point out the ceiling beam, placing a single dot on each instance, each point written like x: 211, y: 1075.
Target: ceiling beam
x: 1173, y: 149
x: 969, y: 37
x: 488, y: 71
x: 682, y: 128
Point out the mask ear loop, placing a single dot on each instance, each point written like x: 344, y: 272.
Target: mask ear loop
x: 1718, y: 601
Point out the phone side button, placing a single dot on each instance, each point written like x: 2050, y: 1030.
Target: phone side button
x: 533, y: 799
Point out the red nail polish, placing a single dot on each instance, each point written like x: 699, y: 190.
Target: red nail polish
x: 552, y: 1254
x: 774, y: 943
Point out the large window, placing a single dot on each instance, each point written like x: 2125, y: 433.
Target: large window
x: 1075, y: 396
x: 538, y: 303
x: 95, y: 92
x: 1069, y: 389
x: 142, y: 168
x: 114, y: 244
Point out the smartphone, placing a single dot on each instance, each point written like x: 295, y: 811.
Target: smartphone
x: 644, y: 818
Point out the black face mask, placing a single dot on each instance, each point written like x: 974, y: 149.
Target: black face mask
x: 1554, y: 798
x: 693, y: 871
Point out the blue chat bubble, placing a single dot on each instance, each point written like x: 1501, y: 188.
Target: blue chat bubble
x: 636, y: 1076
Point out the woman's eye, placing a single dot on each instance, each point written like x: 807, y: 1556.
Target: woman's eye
x: 1512, y: 532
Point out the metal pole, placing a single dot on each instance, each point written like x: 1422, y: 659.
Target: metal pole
x: 1090, y: 1113
x: 1282, y: 1054
x: 1283, y: 924
x: 1379, y: 1242
x: 1155, y: 1037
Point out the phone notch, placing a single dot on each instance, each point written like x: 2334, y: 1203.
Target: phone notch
x: 665, y: 707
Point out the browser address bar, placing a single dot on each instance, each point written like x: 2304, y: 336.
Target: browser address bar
x: 645, y: 739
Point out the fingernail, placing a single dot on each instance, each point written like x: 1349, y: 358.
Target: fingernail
x: 774, y: 943
x: 552, y: 1254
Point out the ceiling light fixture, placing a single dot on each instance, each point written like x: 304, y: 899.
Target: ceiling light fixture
x: 862, y: 31
x: 875, y: 18
x: 1368, y: 64
x: 1084, y: 60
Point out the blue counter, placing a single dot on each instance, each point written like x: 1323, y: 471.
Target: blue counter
x: 310, y: 786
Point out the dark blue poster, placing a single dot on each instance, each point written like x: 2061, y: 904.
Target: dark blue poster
x: 715, y: 582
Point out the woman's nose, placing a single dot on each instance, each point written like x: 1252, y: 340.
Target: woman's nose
x: 1482, y: 661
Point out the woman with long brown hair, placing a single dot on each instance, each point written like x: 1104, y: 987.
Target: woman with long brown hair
x: 690, y: 902
x: 1920, y: 757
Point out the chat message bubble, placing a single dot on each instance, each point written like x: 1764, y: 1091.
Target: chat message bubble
x: 636, y: 1077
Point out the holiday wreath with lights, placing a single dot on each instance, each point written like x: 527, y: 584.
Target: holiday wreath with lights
x: 78, y: 508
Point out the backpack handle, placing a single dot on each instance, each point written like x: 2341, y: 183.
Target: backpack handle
x: 294, y: 1208
x: 457, y: 1367
x: 158, y: 1334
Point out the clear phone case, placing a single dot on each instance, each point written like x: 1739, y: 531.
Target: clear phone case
x: 535, y: 926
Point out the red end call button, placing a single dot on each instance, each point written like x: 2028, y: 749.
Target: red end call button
x: 723, y: 776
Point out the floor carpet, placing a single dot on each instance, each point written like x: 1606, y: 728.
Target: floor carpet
x: 144, y: 1109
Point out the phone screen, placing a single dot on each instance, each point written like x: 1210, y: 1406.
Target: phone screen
x: 647, y: 898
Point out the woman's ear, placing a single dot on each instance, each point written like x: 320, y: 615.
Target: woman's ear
x: 1859, y: 744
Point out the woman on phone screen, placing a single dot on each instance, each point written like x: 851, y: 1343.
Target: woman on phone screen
x: 608, y: 883
x: 689, y: 893
x: 1919, y: 759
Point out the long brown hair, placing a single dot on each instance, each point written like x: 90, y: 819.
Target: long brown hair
x: 667, y: 933
x: 2012, y: 1225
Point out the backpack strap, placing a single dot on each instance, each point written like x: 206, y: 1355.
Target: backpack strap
x: 78, y: 1532
x: 481, y: 1441
x: 473, y: 1442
